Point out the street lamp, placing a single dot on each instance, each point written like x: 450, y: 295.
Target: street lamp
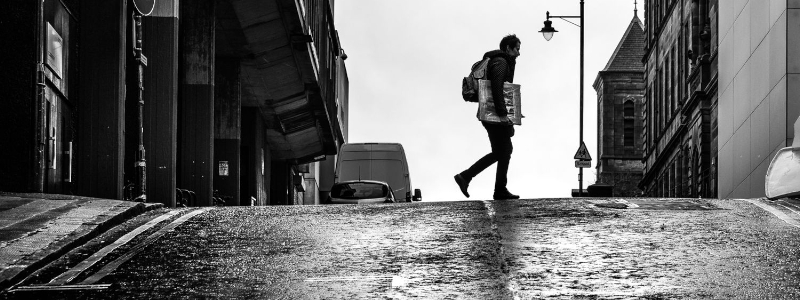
x: 548, y: 31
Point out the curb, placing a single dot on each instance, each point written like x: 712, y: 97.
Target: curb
x: 71, y: 242
x: 788, y: 210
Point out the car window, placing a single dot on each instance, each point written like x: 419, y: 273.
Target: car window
x: 389, y: 171
x: 359, y: 190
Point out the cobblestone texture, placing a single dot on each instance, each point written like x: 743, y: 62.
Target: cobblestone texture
x: 525, y: 249
x: 562, y: 250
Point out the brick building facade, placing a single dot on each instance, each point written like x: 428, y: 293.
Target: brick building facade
x: 680, y: 127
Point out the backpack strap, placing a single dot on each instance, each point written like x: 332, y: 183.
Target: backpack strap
x: 480, y: 71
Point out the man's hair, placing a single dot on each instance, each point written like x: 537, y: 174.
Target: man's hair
x: 509, y: 40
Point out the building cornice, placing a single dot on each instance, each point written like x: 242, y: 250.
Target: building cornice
x: 601, y: 74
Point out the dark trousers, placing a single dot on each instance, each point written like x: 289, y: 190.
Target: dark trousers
x: 500, y: 138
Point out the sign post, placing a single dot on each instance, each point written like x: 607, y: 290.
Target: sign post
x: 582, y: 160
x: 583, y: 163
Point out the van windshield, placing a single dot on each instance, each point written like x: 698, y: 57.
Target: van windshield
x: 389, y: 171
x: 359, y: 190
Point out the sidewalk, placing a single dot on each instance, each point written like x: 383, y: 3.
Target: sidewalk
x: 36, y: 229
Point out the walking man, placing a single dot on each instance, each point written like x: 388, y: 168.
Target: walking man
x: 500, y: 69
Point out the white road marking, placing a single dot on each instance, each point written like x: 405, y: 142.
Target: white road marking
x: 53, y: 288
x: 70, y: 275
x: 630, y: 205
x: 112, y: 266
x: 349, y: 278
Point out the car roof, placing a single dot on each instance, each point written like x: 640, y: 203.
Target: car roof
x: 368, y: 147
x: 363, y: 181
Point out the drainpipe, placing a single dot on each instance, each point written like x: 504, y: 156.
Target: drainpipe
x: 37, y: 185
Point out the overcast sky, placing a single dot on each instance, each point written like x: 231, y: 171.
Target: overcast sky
x: 406, y: 59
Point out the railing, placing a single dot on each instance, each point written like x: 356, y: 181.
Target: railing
x: 185, y: 198
x: 319, y: 18
x: 221, y: 200
x: 703, y: 185
x: 129, y: 192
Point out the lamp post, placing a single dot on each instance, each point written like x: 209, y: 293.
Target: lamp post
x: 141, y: 8
x: 548, y: 31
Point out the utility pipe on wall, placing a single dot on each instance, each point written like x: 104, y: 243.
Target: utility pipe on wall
x: 37, y: 184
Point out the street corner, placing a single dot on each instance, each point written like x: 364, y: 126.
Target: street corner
x: 36, y: 228
x: 656, y: 203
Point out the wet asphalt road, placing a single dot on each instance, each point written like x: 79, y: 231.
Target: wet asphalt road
x: 524, y: 249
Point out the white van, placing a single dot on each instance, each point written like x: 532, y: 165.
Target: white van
x: 376, y: 161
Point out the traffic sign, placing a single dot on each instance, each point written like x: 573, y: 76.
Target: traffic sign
x: 583, y: 163
x: 583, y: 153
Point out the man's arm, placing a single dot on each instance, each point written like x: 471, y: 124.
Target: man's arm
x: 498, y: 69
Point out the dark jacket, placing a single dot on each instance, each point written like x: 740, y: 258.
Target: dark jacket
x: 501, y: 69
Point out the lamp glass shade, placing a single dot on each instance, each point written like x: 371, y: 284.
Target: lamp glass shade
x: 548, y: 30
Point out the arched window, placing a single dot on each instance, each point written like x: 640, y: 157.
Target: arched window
x: 628, y: 124
x: 628, y: 108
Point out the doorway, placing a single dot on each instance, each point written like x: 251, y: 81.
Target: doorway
x: 60, y: 26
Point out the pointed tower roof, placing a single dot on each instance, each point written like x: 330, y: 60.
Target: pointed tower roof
x: 630, y: 50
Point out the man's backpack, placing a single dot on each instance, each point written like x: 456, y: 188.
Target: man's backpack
x: 469, y: 85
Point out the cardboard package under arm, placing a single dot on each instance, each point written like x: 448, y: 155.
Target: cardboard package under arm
x: 513, y: 101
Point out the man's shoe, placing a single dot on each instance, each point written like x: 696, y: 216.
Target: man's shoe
x: 463, y: 184
x: 504, y: 195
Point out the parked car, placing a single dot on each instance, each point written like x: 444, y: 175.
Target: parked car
x: 361, y: 192
x: 384, y: 162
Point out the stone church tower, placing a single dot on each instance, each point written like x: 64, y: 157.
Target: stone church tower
x: 620, y: 90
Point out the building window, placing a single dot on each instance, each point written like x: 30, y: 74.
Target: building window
x: 650, y: 118
x: 675, y: 183
x: 658, y: 105
x: 668, y: 87
x: 628, y: 125
x: 674, y: 79
x: 628, y: 109
x: 629, y: 138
